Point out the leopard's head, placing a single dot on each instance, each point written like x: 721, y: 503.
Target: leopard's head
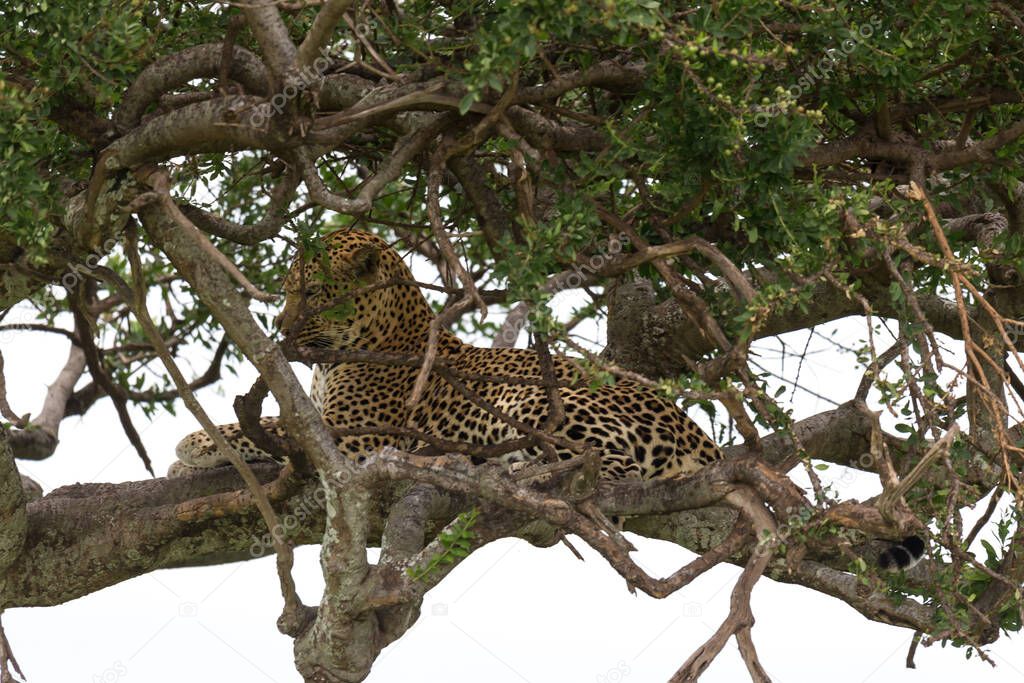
x: 350, y: 294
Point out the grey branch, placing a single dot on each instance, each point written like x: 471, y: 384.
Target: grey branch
x: 272, y: 34
x: 39, y: 440
x: 86, y: 537
x: 319, y: 34
x: 173, y: 71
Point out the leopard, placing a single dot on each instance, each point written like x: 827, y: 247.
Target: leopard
x: 358, y: 294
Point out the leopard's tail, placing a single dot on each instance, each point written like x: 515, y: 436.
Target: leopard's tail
x: 902, y: 555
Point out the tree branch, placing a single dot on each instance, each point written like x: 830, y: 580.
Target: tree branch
x: 39, y: 440
x: 272, y: 35
x: 173, y: 71
x: 319, y: 33
x: 13, y: 518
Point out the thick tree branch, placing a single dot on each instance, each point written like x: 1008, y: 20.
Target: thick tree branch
x: 272, y: 35
x: 13, y: 518
x: 39, y: 440
x: 96, y: 535
x: 226, y: 124
x: 173, y: 71
x: 655, y: 337
x: 319, y: 34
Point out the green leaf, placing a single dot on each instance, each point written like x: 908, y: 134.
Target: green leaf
x: 467, y: 102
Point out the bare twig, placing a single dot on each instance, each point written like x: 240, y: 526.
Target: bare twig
x: 740, y: 619
x: 94, y: 361
x: 429, y: 358
x: 364, y: 41
x: 7, y: 658
x: 940, y: 448
x: 441, y: 237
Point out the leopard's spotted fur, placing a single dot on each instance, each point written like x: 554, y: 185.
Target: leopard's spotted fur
x: 638, y: 433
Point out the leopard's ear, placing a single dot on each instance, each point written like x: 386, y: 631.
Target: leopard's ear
x: 365, y: 261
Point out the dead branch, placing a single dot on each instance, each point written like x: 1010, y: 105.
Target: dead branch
x: 39, y: 441
x: 740, y: 619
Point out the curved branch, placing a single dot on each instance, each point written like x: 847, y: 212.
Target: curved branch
x: 173, y: 71
x: 226, y: 124
x: 39, y: 441
x: 276, y: 215
x: 622, y: 78
x: 405, y: 149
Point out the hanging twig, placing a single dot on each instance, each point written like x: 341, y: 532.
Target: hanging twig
x: 117, y: 394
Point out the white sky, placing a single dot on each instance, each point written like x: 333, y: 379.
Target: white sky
x: 510, y: 612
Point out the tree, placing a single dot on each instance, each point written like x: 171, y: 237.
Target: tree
x: 708, y: 175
